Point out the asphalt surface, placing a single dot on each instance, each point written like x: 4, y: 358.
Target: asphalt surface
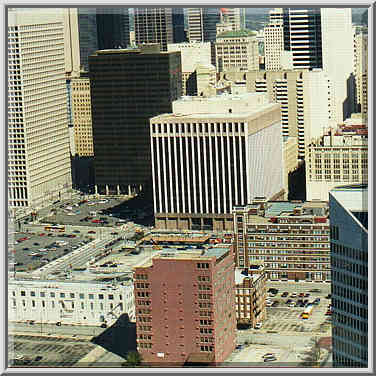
x: 27, y: 256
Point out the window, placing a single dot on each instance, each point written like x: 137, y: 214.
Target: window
x: 52, y: 294
x: 82, y: 296
x: 23, y: 293
x: 91, y: 296
x: 62, y: 295
x: 71, y: 295
x: 42, y: 294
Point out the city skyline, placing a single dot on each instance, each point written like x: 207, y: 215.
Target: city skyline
x: 188, y: 187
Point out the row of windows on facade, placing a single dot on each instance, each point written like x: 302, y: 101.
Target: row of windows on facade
x: 182, y: 128
x: 66, y: 295
x: 34, y: 304
x: 349, y: 293
x: 349, y: 348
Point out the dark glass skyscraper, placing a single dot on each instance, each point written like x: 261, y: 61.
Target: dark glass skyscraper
x: 178, y: 33
x: 112, y: 28
x: 87, y: 31
x: 348, y: 212
x: 129, y: 86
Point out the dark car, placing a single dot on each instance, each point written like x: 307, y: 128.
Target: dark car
x: 285, y: 294
x: 306, y: 295
x: 328, y: 296
x: 36, y: 244
x: 25, y: 249
x: 275, y: 304
x: 76, y: 231
x: 38, y: 358
x: 288, y: 301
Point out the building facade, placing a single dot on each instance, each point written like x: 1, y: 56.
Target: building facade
x: 202, y: 24
x: 250, y: 296
x: 39, y: 155
x: 348, y: 208
x: 211, y: 154
x: 67, y: 302
x: 153, y: 25
x: 291, y: 239
x: 360, y: 66
x: 304, y: 97
x: 234, y: 16
x: 112, y: 28
x: 180, y: 315
x: 81, y: 113
x: 237, y: 51
x: 339, y: 157
x: 273, y: 46
x: 127, y: 88
x: 192, y: 55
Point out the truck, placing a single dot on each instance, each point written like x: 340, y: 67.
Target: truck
x: 307, y: 312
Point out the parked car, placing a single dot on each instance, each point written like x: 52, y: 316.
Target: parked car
x: 301, y: 295
x: 307, y: 294
x: 91, y: 232
x: 268, y: 355
x: 293, y: 295
x: 328, y: 312
x: 258, y: 325
x: 288, y: 301
x: 285, y: 294
x: 275, y: 304
x: 329, y: 296
x: 36, y: 244
x: 270, y: 359
x: 292, y: 304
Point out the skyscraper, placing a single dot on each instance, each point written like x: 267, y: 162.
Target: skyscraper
x: 127, y: 88
x: 39, y: 160
x: 202, y: 24
x: 234, y: 16
x: 178, y: 32
x: 112, y: 28
x: 211, y: 154
x: 153, y: 25
x: 304, y: 97
x: 348, y: 207
x: 180, y: 315
x: 87, y: 30
x: 319, y: 38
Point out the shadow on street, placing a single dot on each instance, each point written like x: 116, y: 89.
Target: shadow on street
x: 120, y: 338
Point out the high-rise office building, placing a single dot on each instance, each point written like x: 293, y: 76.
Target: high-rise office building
x: 202, y: 24
x: 192, y: 55
x: 319, y: 38
x: 112, y: 28
x: 273, y: 41
x: 180, y: 315
x: 81, y: 113
x: 237, y: 51
x: 234, y: 16
x: 178, y: 31
x: 127, y: 88
x: 39, y: 159
x: 291, y: 239
x: 348, y: 209
x: 339, y: 156
x: 211, y: 154
x: 153, y: 25
x: 303, y: 95
x: 360, y: 66
x: 87, y: 31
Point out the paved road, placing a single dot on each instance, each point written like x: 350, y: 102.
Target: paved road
x: 53, y: 330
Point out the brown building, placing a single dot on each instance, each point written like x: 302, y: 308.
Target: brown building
x: 290, y: 238
x: 81, y: 112
x: 185, y: 306
x: 250, y: 295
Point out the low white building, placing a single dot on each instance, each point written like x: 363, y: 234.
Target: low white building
x: 69, y: 302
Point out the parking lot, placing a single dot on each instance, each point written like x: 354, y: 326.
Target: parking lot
x: 101, y: 212
x: 41, y: 247
x: 47, y: 351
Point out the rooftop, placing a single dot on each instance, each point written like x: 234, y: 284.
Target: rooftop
x: 236, y: 34
x: 353, y: 197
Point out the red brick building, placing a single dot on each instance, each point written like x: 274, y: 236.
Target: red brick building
x: 185, y: 306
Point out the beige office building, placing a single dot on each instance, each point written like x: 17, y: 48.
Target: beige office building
x: 304, y: 97
x: 360, y: 66
x: 273, y: 44
x: 193, y: 54
x: 39, y: 159
x: 211, y: 154
x: 81, y: 112
x: 339, y: 157
x: 237, y: 51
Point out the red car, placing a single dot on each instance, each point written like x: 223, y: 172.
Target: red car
x: 91, y: 232
x: 328, y: 312
x: 42, y: 234
x: 96, y: 221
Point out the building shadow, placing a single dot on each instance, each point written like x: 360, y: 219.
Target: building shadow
x: 119, y: 338
x: 297, y: 184
x: 82, y: 173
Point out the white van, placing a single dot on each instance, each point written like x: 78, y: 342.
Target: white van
x: 93, y: 213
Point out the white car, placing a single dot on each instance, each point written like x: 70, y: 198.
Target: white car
x: 294, y: 295
x: 292, y: 304
x: 258, y: 325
